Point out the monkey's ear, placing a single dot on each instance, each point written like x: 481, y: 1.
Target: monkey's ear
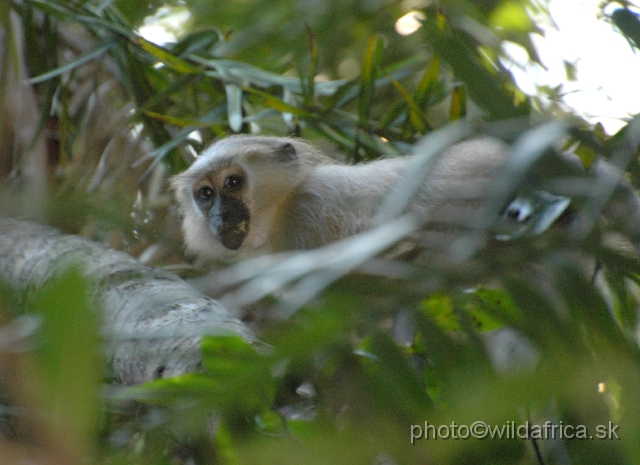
x: 286, y: 152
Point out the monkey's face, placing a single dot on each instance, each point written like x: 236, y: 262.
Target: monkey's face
x: 231, y: 196
x: 219, y: 196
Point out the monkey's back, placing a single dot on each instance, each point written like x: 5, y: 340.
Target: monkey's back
x: 337, y: 201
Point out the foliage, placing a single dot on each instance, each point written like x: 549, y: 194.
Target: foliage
x: 331, y: 383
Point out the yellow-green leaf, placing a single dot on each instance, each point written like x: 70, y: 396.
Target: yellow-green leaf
x: 279, y: 105
x: 368, y: 76
x: 416, y: 116
x: 183, y: 122
x: 458, y: 107
x: 428, y: 81
x: 587, y: 154
x: 439, y: 307
x: 166, y: 57
x: 511, y: 16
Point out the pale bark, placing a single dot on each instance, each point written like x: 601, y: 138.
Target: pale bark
x: 152, y: 320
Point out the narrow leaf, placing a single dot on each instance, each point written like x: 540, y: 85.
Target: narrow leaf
x: 484, y: 87
x: 458, y: 107
x: 183, y: 122
x: 166, y: 391
x: 289, y: 99
x: 279, y: 105
x: 241, y: 73
x: 234, y: 106
x: 428, y: 82
x: 416, y: 116
x: 74, y: 64
x: 166, y: 57
x: 199, y: 41
x: 69, y: 15
x: 309, y: 89
x: 368, y: 77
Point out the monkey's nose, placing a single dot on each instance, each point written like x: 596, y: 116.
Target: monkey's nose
x: 229, y: 221
x: 233, y: 216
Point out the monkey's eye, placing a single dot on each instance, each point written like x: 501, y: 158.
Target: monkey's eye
x: 205, y: 193
x: 233, y: 182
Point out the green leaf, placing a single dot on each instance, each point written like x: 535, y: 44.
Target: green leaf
x: 491, y: 309
x: 484, y: 87
x: 200, y: 41
x: 223, y: 356
x: 234, y: 106
x: 136, y: 80
x: 135, y: 12
x: 183, y: 122
x: 541, y: 322
x: 68, y: 358
x: 168, y: 391
x: 392, y: 373
x: 96, y: 53
x: 571, y: 71
x: 241, y: 73
x: 279, y: 105
x: 428, y: 82
x: 624, y: 304
x: 416, y: 114
x: 368, y: 77
x: 599, y: 133
x: 226, y: 446
x: 86, y: 18
x: 587, y: 154
x: 589, y: 309
x: 488, y: 309
x: 439, y: 307
x: 4, y: 14
x: 458, y: 107
x: 166, y: 57
x: 243, y: 373
x: 269, y: 422
x: 628, y: 23
x: 511, y: 15
x: 309, y: 88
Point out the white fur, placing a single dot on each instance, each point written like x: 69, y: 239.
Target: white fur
x: 313, y: 200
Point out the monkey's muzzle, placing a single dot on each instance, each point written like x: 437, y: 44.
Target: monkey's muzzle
x: 229, y: 221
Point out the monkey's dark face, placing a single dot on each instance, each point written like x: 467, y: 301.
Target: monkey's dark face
x: 219, y: 196
x: 233, y: 197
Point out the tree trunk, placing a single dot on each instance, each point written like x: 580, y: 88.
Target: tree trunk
x: 152, y: 320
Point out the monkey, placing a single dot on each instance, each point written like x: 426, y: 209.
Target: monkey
x: 251, y: 195
x: 247, y: 195
x: 231, y: 197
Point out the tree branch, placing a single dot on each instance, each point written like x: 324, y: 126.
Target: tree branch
x: 152, y: 319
